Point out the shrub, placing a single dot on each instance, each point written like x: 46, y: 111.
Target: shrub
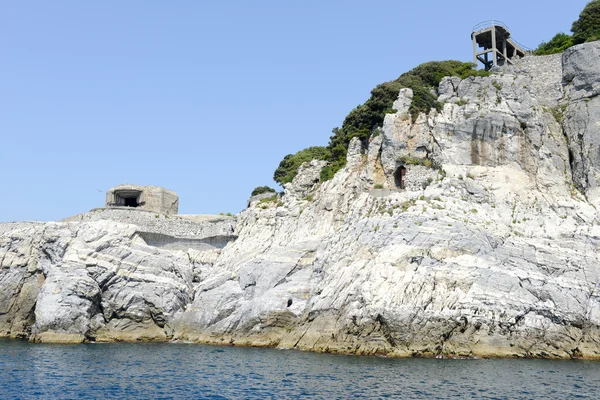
x: 363, y: 120
x: 587, y: 27
x: 268, y: 199
x: 288, y: 167
x: 559, y: 43
x: 426, y: 162
x: 378, y: 186
x: 262, y: 189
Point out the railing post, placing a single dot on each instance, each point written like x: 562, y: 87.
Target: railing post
x: 494, y: 54
x: 474, y: 49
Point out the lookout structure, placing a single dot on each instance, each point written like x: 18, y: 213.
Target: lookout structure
x: 149, y: 198
x: 498, y: 46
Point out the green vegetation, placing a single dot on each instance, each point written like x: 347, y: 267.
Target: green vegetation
x: 261, y: 190
x: 363, y: 121
x: 378, y: 186
x: 288, y: 167
x: 406, y: 160
x: 268, y: 199
x: 559, y: 43
x: 585, y: 29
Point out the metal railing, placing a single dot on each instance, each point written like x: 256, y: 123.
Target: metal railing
x: 487, y: 24
x: 523, y: 47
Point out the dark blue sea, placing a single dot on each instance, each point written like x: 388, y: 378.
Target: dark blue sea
x: 191, y: 371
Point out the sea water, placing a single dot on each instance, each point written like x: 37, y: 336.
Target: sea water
x: 192, y: 371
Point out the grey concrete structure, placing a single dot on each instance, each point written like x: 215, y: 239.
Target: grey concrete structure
x: 498, y: 46
x: 149, y: 198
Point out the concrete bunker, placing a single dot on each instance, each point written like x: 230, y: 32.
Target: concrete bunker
x: 149, y: 198
x: 400, y: 177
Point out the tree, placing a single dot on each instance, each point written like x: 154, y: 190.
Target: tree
x: 262, y: 189
x: 559, y: 43
x: 587, y: 27
x: 288, y: 167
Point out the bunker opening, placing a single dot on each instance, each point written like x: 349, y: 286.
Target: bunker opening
x: 128, y: 198
x: 400, y: 177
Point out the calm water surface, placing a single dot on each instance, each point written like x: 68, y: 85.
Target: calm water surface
x: 187, y: 371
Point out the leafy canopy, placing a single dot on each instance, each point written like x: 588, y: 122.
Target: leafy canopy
x: 559, y: 43
x: 288, y: 167
x: 262, y: 189
x: 362, y: 121
x: 585, y: 29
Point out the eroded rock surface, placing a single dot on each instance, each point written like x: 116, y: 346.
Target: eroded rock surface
x: 491, y: 248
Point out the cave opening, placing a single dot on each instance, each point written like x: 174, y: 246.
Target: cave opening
x: 400, y: 176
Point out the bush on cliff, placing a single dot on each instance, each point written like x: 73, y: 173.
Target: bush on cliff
x: 262, y: 189
x: 362, y: 120
x: 288, y: 167
x: 559, y: 43
x: 585, y: 29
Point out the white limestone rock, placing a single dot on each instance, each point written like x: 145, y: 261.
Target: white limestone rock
x: 496, y: 255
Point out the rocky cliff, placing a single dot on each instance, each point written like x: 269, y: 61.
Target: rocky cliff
x: 472, y: 231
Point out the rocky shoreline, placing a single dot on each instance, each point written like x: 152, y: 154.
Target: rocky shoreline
x: 491, y: 249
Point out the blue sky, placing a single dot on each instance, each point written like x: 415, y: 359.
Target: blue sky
x: 205, y: 97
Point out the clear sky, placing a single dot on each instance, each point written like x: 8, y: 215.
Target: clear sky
x: 205, y: 97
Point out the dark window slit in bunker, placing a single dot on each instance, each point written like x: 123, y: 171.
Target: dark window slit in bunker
x: 128, y: 198
x: 400, y: 177
x: 131, y: 202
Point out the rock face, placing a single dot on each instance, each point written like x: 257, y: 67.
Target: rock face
x: 98, y: 279
x: 581, y: 114
x: 491, y: 248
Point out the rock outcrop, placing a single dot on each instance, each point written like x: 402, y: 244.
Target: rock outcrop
x: 490, y: 247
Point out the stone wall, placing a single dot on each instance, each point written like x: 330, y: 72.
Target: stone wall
x: 419, y: 177
x: 546, y: 76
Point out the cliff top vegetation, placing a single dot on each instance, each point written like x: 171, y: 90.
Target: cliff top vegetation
x: 585, y: 29
x: 363, y: 120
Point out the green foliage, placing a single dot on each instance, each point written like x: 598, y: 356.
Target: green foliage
x: 262, y: 189
x: 362, y: 121
x: 268, y: 199
x: 559, y: 43
x: 587, y: 27
x: 288, y: 167
x: 378, y: 186
x: 407, y: 160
